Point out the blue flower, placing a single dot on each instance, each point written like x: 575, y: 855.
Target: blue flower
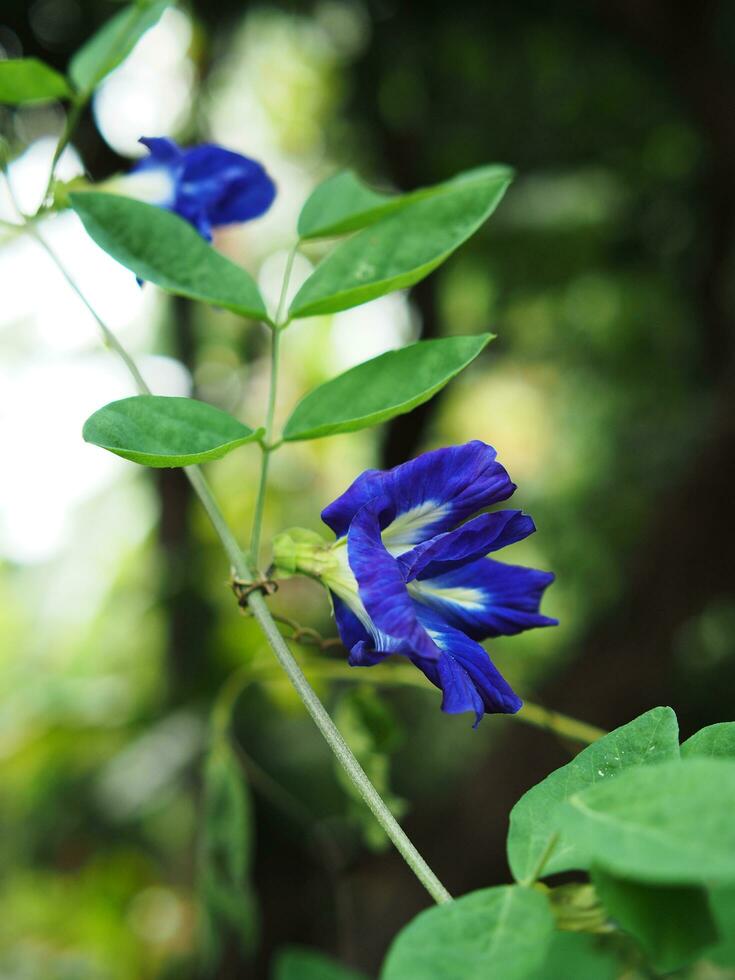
x: 409, y: 574
x: 206, y: 185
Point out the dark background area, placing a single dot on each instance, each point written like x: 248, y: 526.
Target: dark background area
x: 611, y: 271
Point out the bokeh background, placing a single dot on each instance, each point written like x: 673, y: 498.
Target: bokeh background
x: 607, y: 274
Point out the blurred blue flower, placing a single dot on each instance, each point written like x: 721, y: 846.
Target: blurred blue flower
x: 206, y: 185
x: 408, y: 577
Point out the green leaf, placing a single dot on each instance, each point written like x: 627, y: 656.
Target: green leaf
x: 579, y: 956
x: 112, y: 43
x: 501, y: 931
x: 673, y: 924
x: 715, y: 741
x: 383, y: 387
x: 225, y: 857
x: 372, y: 732
x: 403, y: 247
x: 161, y: 247
x: 722, y: 901
x: 343, y: 203
x: 299, y: 963
x: 159, y: 431
x: 670, y: 824
x: 534, y: 820
x: 30, y: 80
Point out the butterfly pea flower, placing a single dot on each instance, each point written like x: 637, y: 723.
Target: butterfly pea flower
x: 206, y: 185
x: 409, y: 573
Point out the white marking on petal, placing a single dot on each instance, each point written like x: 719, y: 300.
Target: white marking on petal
x: 340, y: 579
x: 406, y: 530
x: 465, y: 597
x: 154, y: 185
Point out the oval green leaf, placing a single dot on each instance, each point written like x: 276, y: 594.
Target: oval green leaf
x: 30, y: 80
x: 670, y: 824
x: 162, y: 431
x: 490, y: 933
x: 535, y: 819
x: 383, y: 387
x: 403, y: 247
x: 340, y: 204
x: 715, y: 741
x: 162, y: 248
x: 112, y: 43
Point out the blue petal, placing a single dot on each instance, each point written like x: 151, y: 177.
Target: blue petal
x: 338, y: 515
x: 161, y: 150
x: 473, y: 540
x: 228, y: 186
x: 363, y: 654
x: 428, y: 495
x: 197, y: 215
x: 366, y: 648
x: 350, y: 628
x: 381, y: 586
x: 465, y: 673
x: 485, y: 598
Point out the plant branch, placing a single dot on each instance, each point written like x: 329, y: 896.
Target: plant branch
x: 267, y: 450
x: 257, y: 605
x: 343, y: 752
x: 110, y: 339
x: 530, y: 714
x: 70, y: 124
x: 267, y: 445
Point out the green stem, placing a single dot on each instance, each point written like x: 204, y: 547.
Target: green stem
x: 238, y: 561
x: 70, y: 125
x: 258, y: 607
x: 559, y: 724
x: 267, y: 450
x: 110, y: 339
x: 268, y: 446
x: 542, y: 861
x: 396, y: 675
x: 352, y: 767
x: 193, y: 473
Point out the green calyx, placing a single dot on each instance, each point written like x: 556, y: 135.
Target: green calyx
x: 576, y: 907
x: 298, y: 551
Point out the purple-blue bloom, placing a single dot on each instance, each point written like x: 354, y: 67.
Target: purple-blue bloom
x: 206, y: 185
x: 410, y: 575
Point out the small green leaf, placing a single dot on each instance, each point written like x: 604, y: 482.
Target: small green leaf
x: 343, y: 203
x: 30, y: 80
x: 299, y: 963
x: 161, y: 431
x: 673, y: 924
x: 670, y: 823
x: 161, y: 247
x: 372, y: 732
x: 534, y: 820
x: 716, y: 741
x: 383, y: 387
x: 112, y: 43
x: 501, y: 931
x: 404, y: 247
x: 225, y: 857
